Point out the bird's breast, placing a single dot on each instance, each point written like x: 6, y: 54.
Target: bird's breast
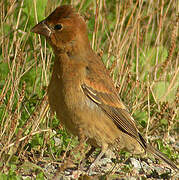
x: 65, y: 95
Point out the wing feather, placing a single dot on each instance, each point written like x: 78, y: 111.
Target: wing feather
x: 111, y: 105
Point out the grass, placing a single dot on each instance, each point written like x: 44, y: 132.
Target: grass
x: 139, y: 44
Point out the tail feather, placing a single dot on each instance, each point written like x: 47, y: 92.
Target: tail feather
x: 161, y: 156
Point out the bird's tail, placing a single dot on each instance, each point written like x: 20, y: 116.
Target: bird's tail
x: 161, y: 156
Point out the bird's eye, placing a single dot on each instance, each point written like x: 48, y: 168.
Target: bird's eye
x: 58, y: 27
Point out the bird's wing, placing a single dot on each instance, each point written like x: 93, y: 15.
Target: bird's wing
x: 110, y: 103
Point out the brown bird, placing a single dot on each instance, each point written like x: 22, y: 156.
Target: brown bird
x: 82, y: 93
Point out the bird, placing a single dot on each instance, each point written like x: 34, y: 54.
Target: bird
x: 82, y: 93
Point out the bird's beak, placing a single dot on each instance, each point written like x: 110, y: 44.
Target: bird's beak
x: 42, y: 29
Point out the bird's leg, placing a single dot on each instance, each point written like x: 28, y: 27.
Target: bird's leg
x: 88, y: 154
x: 103, y: 150
x: 74, y: 153
x: 80, y: 147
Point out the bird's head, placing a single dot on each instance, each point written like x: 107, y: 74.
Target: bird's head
x: 65, y: 30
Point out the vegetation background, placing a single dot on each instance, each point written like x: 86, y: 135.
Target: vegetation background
x: 139, y: 43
